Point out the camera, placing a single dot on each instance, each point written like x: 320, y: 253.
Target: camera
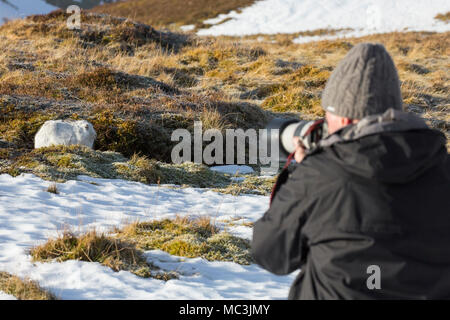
x: 309, y: 132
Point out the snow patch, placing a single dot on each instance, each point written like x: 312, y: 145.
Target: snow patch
x: 233, y: 169
x: 29, y: 215
x: 188, y: 27
x: 5, y: 296
x: 363, y: 16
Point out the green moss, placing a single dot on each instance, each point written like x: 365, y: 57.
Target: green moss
x: 27, y: 162
x: 189, y: 238
x: 21, y: 127
x: 188, y: 246
x: 192, y: 174
x: 129, y: 136
x: 224, y: 246
x: 140, y: 169
x: 62, y: 160
x: 13, y: 172
x: 61, y: 163
x: 250, y: 184
x: 100, y: 78
x: 294, y: 100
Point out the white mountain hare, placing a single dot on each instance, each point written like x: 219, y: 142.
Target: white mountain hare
x: 59, y: 132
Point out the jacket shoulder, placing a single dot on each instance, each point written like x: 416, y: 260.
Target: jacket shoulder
x: 320, y: 171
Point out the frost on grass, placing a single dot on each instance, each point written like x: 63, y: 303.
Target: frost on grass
x: 62, y: 163
x: 23, y: 289
x: 250, y: 185
x: 189, y: 238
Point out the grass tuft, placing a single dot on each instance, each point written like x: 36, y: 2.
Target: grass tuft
x: 53, y: 188
x: 443, y: 17
x: 189, y: 237
x: 94, y: 247
x: 23, y: 289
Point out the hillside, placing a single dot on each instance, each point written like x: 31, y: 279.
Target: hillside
x: 349, y: 17
x: 134, y: 82
x: 159, y: 13
x: 176, y: 226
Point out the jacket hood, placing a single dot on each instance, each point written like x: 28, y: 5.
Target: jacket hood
x: 394, y: 147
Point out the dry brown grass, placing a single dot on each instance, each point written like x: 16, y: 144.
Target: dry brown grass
x: 53, y: 188
x: 121, y: 76
x: 443, y: 17
x: 188, y: 237
x: 122, y: 92
x: 23, y: 289
x: 91, y: 247
x: 160, y: 13
x: 98, y: 247
x: 123, y: 249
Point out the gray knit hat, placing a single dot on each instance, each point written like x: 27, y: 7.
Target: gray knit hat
x: 365, y: 82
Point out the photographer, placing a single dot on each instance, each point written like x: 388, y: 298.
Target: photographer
x: 375, y: 195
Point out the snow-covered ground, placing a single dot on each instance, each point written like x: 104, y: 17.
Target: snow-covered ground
x: 29, y: 215
x: 4, y: 296
x: 233, y: 169
x: 363, y: 16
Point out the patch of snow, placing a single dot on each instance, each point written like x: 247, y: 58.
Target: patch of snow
x: 241, y: 232
x: 233, y: 169
x: 5, y: 296
x: 199, y: 279
x: 267, y: 176
x: 220, y: 18
x: 363, y: 16
x: 29, y: 215
x: 188, y: 27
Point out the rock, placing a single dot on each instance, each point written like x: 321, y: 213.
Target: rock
x: 59, y: 132
x: 4, y: 144
x: 418, y: 69
x: 288, y: 64
x: 20, y: 66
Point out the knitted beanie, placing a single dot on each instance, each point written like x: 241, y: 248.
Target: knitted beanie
x: 364, y: 83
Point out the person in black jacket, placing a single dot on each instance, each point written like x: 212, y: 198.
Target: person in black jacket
x: 366, y: 215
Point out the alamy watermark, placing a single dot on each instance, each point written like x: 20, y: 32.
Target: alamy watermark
x: 74, y: 20
x: 374, y: 280
x: 241, y: 147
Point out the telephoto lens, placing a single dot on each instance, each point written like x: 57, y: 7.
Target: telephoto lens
x: 309, y: 132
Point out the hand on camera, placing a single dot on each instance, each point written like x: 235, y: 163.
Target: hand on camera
x: 300, y: 151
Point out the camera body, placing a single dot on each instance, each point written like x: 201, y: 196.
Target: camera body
x: 309, y: 132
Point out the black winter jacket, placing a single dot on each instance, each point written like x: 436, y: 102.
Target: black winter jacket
x: 374, y: 195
